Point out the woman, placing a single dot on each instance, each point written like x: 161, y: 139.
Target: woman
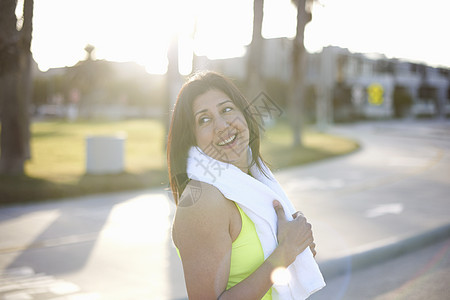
x: 220, y: 250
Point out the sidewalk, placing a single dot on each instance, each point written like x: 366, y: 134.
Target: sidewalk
x: 388, y: 199
x: 418, y: 275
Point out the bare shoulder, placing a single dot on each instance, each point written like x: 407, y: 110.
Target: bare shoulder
x: 199, y: 193
x: 201, y: 232
x: 202, y: 209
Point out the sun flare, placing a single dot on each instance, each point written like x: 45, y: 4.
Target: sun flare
x: 142, y: 30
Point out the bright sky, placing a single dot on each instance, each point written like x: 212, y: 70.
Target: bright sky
x: 140, y: 30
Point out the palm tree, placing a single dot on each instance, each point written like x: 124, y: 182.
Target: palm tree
x: 297, y: 85
x: 254, y: 71
x: 15, y: 86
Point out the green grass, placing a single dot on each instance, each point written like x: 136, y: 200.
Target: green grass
x: 277, y: 149
x: 58, y: 148
x: 57, y: 167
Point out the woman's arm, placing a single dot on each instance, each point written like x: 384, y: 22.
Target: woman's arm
x: 293, y: 237
x: 201, y: 232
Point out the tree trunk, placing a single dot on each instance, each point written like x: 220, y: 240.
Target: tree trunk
x: 254, y: 71
x: 173, y: 81
x: 297, y: 84
x: 15, y: 84
x: 296, y: 95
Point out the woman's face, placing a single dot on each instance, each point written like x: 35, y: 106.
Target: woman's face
x: 220, y: 128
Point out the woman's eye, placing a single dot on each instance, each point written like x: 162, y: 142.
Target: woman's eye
x: 227, y: 109
x: 203, y: 120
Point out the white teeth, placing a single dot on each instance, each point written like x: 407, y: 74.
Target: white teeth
x: 228, y: 140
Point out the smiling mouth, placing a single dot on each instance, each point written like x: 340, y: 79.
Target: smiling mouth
x: 228, y: 140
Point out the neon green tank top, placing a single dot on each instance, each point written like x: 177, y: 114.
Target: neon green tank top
x: 246, y: 253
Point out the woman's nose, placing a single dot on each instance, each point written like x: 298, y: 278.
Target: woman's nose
x: 221, y: 124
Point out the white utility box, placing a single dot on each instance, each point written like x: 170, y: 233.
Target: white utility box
x: 105, y: 154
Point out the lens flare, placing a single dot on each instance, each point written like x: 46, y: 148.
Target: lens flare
x: 280, y: 276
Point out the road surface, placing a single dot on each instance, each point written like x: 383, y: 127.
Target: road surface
x: 118, y: 246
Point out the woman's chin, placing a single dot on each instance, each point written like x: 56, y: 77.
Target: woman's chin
x: 235, y: 160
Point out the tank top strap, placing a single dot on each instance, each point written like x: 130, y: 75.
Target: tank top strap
x: 244, y: 217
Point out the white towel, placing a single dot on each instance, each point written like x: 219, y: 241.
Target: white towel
x: 255, y: 196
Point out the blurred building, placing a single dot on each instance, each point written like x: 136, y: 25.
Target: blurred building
x: 340, y: 86
x: 98, y: 89
x: 353, y: 85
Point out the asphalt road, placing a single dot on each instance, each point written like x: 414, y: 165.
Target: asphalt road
x: 419, y: 275
x: 118, y: 246
x: 396, y: 186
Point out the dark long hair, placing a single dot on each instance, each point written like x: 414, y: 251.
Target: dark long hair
x: 181, y: 134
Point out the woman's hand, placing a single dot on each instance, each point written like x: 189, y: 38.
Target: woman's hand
x: 312, y: 247
x: 293, y: 236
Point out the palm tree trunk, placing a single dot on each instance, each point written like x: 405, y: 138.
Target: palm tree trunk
x: 15, y: 86
x: 254, y: 70
x: 297, y: 84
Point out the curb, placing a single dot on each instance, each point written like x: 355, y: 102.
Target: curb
x: 391, y: 249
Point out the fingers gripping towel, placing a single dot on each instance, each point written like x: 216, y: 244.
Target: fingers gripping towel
x: 255, y: 196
